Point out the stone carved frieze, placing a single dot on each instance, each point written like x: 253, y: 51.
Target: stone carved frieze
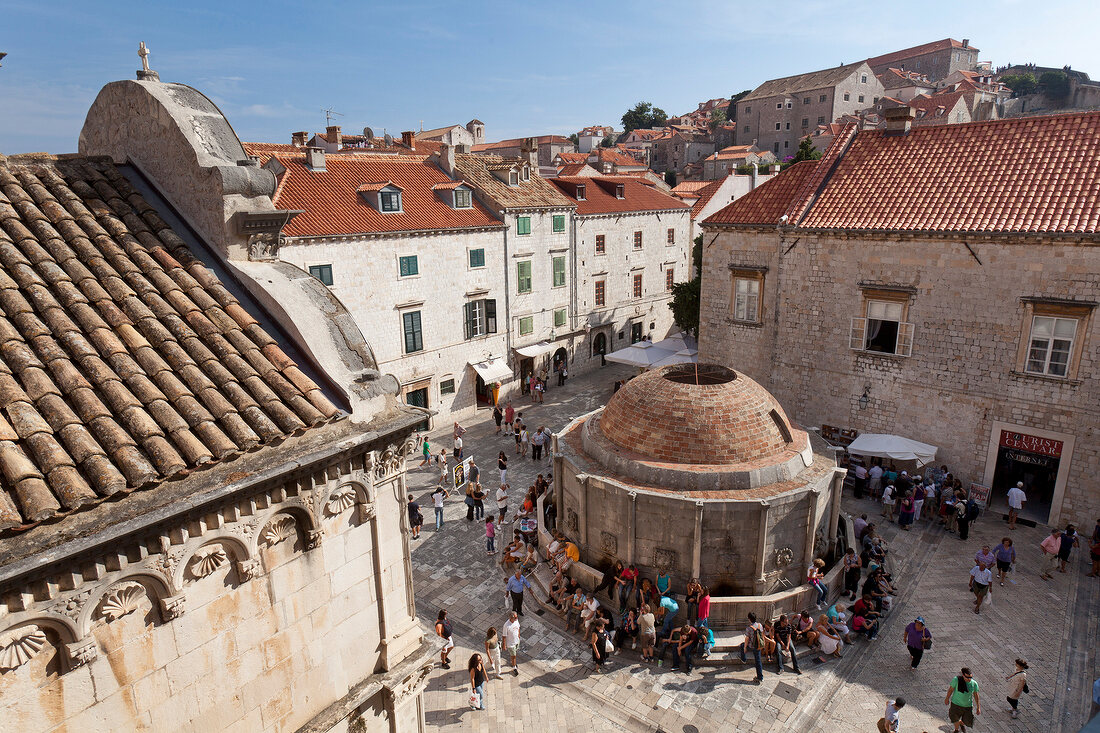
x: 19, y: 646
x: 411, y: 684
x: 248, y: 569
x: 572, y: 521
x: 784, y: 556
x: 206, y: 561
x: 82, y: 652
x: 609, y: 542
x: 664, y: 559
x: 121, y: 600
x: 263, y: 246
x: 339, y: 501
x: 173, y: 607
x: 72, y: 604
x: 279, y: 529
x: 313, y: 539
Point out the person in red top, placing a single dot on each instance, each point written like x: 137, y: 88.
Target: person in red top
x: 704, y: 607
x: 627, y: 585
x: 509, y: 417
x: 689, y: 638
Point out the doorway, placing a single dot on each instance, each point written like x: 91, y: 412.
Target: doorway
x: 1035, y: 462
x: 526, y: 369
x: 599, y: 347
x: 418, y: 398
x: 483, y: 393
x: 635, y: 332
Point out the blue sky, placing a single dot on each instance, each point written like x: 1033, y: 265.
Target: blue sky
x: 521, y: 67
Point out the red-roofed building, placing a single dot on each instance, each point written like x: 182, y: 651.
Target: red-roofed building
x: 632, y: 241
x: 549, y: 146
x: 728, y: 159
x: 590, y: 137
x: 937, y: 281
x: 904, y: 85
x: 384, y: 231
x: 934, y: 60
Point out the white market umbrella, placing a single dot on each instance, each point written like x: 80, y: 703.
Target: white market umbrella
x: 642, y: 354
x: 683, y: 356
x: 678, y: 341
x: 895, y: 447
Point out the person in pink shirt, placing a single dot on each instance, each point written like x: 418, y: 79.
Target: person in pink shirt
x: 704, y: 607
x: 1050, y: 548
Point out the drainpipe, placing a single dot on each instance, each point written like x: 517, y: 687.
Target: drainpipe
x: 507, y: 300
x: 575, y: 317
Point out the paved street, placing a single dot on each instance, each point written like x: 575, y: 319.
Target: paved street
x: 1051, y: 623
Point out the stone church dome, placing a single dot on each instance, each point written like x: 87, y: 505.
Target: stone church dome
x: 724, y: 419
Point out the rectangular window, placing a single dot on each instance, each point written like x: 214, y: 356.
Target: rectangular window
x: 391, y: 200
x: 777, y: 126
x: 672, y: 236
x: 462, y: 201
x: 637, y: 240
x: 670, y: 278
x: 786, y: 144
x: 322, y: 273
x: 408, y: 266
x: 601, y: 244
x: 601, y: 293
x: 477, y: 257
x: 414, y: 340
x: 480, y: 317
x: 637, y: 285
x: 821, y: 120
x: 883, y: 329
x: 805, y: 121
x: 805, y: 100
x: 847, y: 96
x: 748, y: 109
x: 447, y: 386
x: 513, y: 178
x: 779, y: 105
x: 523, y: 276
x: 559, y: 223
x: 526, y: 325
x: 860, y: 97
x: 821, y: 98
x: 862, y: 78
x: 788, y: 126
x: 559, y: 318
x: 775, y: 146
x: 523, y: 225
x: 558, y: 267
x: 746, y: 299
x: 1051, y: 345
x: 745, y: 128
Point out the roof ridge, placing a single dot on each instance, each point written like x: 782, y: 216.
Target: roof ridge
x: 813, y: 185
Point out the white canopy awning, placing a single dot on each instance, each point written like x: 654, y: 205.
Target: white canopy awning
x: 641, y: 354
x: 683, y: 356
x: 881, y: 445
x: 542, y: 347
x: 677, y: 341
x: 493, y: 370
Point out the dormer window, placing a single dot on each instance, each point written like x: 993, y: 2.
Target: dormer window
x: 384, y: 196
x: 390, y: 201
x: 513, y: 178
x: 619, y: 191
x: 582, y: 194
x: 525, y: 174
x: 463, y: 199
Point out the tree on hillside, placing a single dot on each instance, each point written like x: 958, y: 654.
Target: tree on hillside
x: 806, y: 151
x: 717, y: 118
x: 575, y: 139
x: 670, y: 178
x: 607, y: 142
x: 1055, y: 84
x: 685, y: 296
x: 644, y: 115
x: 1021, y: 84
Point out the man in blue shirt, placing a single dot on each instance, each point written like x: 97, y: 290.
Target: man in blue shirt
x: 515, y: 585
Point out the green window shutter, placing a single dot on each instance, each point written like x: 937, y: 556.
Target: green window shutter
x: 468, y: 319
x: 523, y: 225
x: 413, y: 336
x: 477, y: 258
x: 491, y: 316
x: 559, y: 223
x: 523, y: 276
x: 559, y: 271
x: 409, y: 266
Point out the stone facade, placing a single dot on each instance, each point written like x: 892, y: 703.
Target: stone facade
x: 935, y: 60
x: 366, y: 278
x: 970, y: 303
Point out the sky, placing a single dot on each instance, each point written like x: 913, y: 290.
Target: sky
x: 523, y: 68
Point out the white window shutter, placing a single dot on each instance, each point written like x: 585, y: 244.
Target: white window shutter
x: 905, y: 339
x: 858, y: 334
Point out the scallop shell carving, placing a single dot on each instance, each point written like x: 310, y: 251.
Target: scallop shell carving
x: 280, y: 529
x: 17, y: 647
x: 124, y: 599
x: 339, y: 501
x: 207, y: 560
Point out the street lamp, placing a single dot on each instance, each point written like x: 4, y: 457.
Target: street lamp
x: 864, y: 400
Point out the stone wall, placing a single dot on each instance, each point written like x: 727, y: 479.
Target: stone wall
x: 964, y: 378
x: 256, y: 615
x: 366, y: 279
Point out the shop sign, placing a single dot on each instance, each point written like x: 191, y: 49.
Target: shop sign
x: 1031, y: 444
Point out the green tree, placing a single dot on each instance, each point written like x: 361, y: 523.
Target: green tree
x: 717, y: 118
x: 670, y: 177
x: 1021, y: 84
x: 644, y: 115
x: 607, y: 142
x: 574, y: 139
x: 685, y: 296
x: 806, y: 151
x: 1055, y: 84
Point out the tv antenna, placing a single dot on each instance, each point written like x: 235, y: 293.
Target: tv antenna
x: 329, y: 114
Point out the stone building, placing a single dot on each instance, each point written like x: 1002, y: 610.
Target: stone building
x: 590, y: 137
x: 548, y: 146
x: 729, y: 159
x: 384, y: 232
x: 939, y: 282
x: 716, y: 195
x: 695, y: 470
x: 904, y: 85
x: 780, y: 112
x: 202, y: 510
x: 678, y: 149
x: 539, y: 271
x: 934, y: 60
x: 462, y: 139
x: 631, y: 242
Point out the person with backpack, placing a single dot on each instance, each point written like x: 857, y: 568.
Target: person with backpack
x: 917, y: 638
x: 963, y: 700
x: 754, y: 642
x: 416, y: 518
x: 1018, y: 680
x: 967, y: 510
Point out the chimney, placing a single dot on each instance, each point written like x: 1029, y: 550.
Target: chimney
x: 530, y: 150
x: 332, y: 134
x: 408, y: 139
x: 755, y: 171
x: 774, y: 168
x: 315, y: 159
x: 899, y: 120
x: 298, y: 139
x: 447, y: 159
x: 966, y: 43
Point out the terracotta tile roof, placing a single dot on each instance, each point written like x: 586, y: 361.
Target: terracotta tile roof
x: 935, y: 109
x: 735, y: 152
x: 123, y: 360
x: 375, y: 187
x: 637, y: 196
x: 332, y: 204
x: 896, y: 79
x: 439, y: 131
x: 1022, y: 174
x: 535, y: 193
x: 908, y: 53
x: 610, y: 155
x: 449, y: 185
x: 574, y: 169
x: 516, y: 142
x: 573, y: 157
x: 802, y: 82
x: 768, y: 202
x: 685, y: 187
x: 705, y: 194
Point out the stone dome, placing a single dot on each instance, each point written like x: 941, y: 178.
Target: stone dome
x: 724, y: 419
